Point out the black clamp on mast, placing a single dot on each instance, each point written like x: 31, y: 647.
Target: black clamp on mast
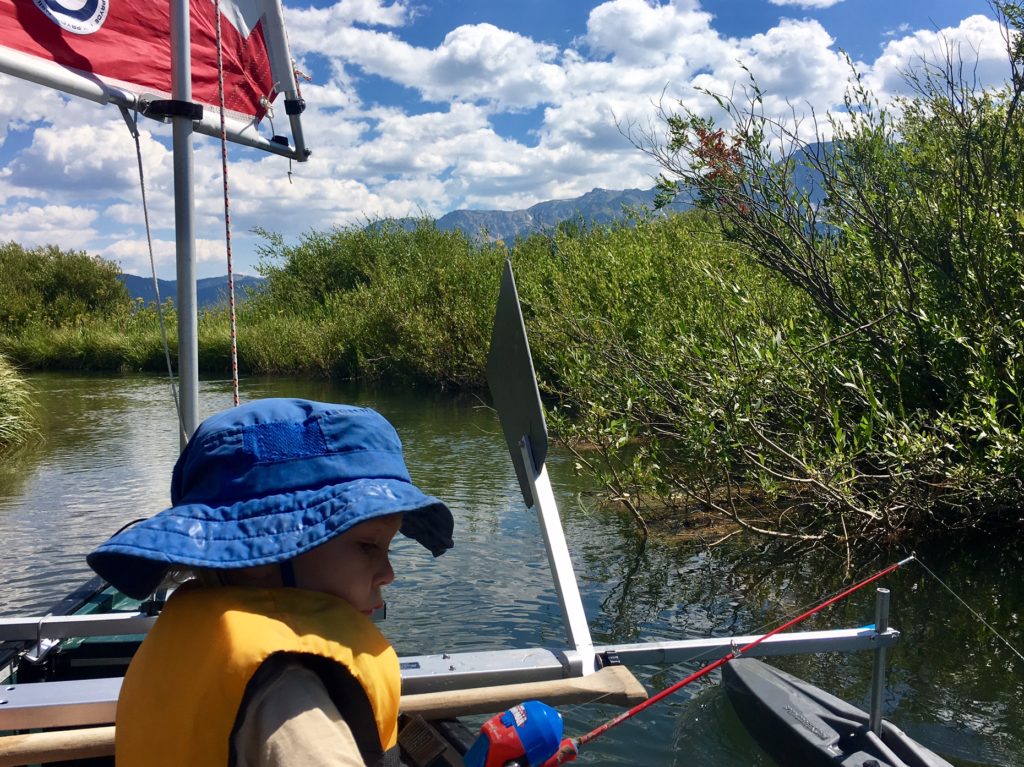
x: 163, y: 109
x: 291, y: 107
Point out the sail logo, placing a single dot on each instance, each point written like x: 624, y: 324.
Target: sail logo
x: 80, y: 17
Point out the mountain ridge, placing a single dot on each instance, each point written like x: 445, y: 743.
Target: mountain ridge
x: 596, y: 207
x: 210, y: 291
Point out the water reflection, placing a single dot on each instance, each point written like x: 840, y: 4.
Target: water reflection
x: 106, y: 459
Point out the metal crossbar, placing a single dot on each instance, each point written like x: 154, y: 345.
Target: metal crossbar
x: 93, y: 701
x: 70, y: 626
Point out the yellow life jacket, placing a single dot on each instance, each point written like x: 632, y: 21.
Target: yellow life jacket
x: 186, y: 685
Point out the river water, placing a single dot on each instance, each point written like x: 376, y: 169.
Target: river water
x: 105, y: 459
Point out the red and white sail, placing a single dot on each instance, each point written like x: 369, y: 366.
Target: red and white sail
x: 118, y: 51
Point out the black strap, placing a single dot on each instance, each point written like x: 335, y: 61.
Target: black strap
x: 287, y: 574
x: 391, y: 758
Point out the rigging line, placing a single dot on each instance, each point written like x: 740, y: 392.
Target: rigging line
x: 970, y: 609
x: 133, y: 128
x: 227, y: 208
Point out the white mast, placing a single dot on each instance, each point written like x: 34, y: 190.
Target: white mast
x: 184, y: 222
x: 143, y: 88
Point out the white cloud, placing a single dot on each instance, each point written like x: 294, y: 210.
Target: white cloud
x: 807, y: 4
x: 65, y: 225
x: 902, y: 29
x: 793, y: 62
x: 344, y: 13
x: 637, y: 32
x: 23, y: 103
x: 977, y: 41
x: 76, y: 184
x: 133, y: 255
x: 95, y: 159
x: 477, y: 62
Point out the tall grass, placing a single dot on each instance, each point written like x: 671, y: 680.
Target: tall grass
x: 17, y: 408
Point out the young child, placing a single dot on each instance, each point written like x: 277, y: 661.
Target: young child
x: 283, y: 510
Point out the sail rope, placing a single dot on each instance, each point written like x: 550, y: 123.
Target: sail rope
x: 133, y: 128
x: 227, y: 208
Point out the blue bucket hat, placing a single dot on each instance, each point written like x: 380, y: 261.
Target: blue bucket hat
x: 266, y: 481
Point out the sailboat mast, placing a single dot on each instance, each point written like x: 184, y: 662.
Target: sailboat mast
x: 184, y: 221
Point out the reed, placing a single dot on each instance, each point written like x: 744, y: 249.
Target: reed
x: 18, y: 423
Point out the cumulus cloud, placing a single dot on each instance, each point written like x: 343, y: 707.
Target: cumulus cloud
x: 636, y: 32
x: 447, y: 144
x: 477, y: 62
x: 977, y: 42
x: 23, y: 104
x: 69, y: 226
x: 345, y: 13
x: 807, y: 4
x: 132, y: 255
x: 95, y: 159
x: 794, y: 62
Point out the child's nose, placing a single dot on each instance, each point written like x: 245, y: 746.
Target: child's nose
x: 386, y: 574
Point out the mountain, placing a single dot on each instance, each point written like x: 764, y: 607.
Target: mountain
x: 210, y: 291
x: 598, y: 206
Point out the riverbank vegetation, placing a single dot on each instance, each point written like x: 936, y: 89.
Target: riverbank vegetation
x: 893, y: 407
x: 829, y: 349
x: 17, y: 409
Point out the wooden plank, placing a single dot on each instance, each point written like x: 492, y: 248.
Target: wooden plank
x: 614, y: 684
x: 44, y: 747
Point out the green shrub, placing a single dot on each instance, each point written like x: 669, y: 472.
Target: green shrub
x: 56, y: 287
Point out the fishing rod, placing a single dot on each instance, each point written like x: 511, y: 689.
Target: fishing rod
x: 569, y: 748
x: 528, y: 731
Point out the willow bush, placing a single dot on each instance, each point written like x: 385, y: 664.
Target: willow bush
x: 385, y: 301
x: 51, y: 286
x: 885, y: 404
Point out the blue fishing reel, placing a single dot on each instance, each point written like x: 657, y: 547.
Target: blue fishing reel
x: 526, y: 735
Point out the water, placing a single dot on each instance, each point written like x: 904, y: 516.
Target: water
x: 106, y: 460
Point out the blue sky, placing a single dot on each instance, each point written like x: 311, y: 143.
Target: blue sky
x: 426, y: 107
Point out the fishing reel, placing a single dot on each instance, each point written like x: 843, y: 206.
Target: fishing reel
x: 527, y: 735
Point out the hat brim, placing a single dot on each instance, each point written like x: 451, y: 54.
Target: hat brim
x: 263, y: 531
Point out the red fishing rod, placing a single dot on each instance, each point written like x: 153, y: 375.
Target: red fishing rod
x: 570, y: 747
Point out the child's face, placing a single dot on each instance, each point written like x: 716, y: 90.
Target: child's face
x: 354, y: 565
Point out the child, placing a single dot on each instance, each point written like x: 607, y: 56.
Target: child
x: 283, y: 510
